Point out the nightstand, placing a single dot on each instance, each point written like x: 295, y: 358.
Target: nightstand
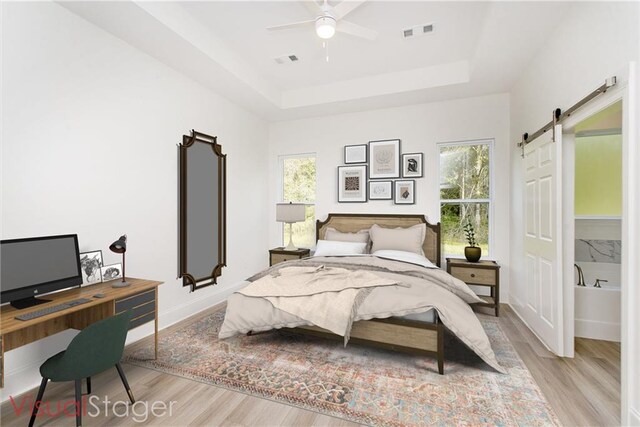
x: 277, y: 255
x: 481, y: 273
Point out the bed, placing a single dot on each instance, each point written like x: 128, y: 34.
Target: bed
x: 423, y: 334
x: 429, y: 301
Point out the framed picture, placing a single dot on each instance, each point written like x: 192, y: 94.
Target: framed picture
x: 90, y: 264
x: 380, y: 190
x: 352, y: 184
x: 405, y: 192
x: 412, y: 165
x: 111, y: 272
x: 384, y: 159
x: 355, y: 154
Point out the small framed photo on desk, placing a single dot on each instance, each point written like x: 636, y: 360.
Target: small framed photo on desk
x: 111, y: 272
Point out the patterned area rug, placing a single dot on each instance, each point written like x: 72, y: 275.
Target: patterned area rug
x: 358, y: 383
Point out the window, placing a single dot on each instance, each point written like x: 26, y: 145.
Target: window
x: 465, y: 194
x: 298, y: 177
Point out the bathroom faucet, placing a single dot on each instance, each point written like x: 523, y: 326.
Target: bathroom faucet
x: 581, y: 276
x: 598, y: 281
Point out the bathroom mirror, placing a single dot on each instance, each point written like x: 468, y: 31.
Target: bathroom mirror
x: 202, y: 210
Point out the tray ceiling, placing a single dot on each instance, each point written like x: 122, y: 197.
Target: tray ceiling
x: 477, y: 48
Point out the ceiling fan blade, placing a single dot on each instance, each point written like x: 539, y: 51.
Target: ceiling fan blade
x: 356, y: 30
x: 313, y: 7
x: 300, y: 24
x: 345, y: 7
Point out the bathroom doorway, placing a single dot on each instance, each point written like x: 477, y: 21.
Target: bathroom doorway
x: 598, y: 225
x: 616, y: 371
x: 593, y: 213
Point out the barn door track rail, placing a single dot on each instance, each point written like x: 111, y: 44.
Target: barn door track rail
x: 558, y: 116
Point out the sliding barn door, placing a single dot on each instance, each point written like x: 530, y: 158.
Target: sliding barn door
x: 543, y: 238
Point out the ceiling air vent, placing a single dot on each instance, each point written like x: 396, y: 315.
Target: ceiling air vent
x: 417, y: 30
x: 286, y: 59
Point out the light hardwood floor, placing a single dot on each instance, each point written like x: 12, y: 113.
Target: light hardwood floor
x: 583, y: 391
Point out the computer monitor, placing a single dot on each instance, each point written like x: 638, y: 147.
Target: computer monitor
x: 36, y: 266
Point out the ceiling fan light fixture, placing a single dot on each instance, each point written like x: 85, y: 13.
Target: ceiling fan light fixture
x: 325, y: 27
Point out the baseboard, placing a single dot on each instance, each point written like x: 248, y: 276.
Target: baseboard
x: 513, y: 307
x: 22, y: 365
x: 592, y: 329
x: 182, y: 311
x: 22, y: 379
x: 514, y: 302
x: 26, y: 377
x: 634, y: 417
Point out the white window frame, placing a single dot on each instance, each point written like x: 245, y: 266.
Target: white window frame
x: 281, y: 159
x: 490, y: 142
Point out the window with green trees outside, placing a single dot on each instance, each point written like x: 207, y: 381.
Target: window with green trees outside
x: 465, y: 193
x: 298, y: 175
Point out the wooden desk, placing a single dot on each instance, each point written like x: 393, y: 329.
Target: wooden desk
x: 141, y: 297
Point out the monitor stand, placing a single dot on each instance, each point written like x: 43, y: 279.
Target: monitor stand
x: 28, y: 302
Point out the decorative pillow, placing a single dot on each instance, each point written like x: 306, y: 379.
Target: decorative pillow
x: 361, y: 236
x: 409, y: 257
x: 332, y: 248
x: 408, y: 239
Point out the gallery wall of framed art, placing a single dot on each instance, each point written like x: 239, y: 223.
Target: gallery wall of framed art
x: 379, y: 171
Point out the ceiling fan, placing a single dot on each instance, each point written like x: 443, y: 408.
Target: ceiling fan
x: 329, y: 19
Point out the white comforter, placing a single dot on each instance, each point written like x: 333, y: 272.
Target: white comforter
x: 426, y: 289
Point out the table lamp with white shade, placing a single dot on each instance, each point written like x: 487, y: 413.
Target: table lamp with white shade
x: 290, y: 213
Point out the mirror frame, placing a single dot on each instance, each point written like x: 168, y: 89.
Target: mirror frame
x: 221, y: 193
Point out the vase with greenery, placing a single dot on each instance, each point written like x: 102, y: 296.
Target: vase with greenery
x: 473, y: 252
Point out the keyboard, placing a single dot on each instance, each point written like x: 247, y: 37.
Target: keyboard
x: 52, y: 309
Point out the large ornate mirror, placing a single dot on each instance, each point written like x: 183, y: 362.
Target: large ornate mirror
x: 202, y: 211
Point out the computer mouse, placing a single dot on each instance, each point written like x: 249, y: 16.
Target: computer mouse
x: 99, y: 295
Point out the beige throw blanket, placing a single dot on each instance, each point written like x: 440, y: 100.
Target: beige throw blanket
x: 325, y: 297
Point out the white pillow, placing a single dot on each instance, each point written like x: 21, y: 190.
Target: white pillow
x: 331, y: 248
x: 410, y: 257
x: 409, y: 239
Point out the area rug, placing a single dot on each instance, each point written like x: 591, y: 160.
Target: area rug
x: 358, y: 383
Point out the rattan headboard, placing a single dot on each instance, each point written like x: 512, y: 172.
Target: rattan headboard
x: 350, y: 223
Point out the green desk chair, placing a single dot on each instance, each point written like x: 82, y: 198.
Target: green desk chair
x: 95, y: 349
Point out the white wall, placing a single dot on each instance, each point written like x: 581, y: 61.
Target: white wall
x: 90, y: 127
x: 420, y: 128
x: 631, y: 404
x: 596, y: 40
